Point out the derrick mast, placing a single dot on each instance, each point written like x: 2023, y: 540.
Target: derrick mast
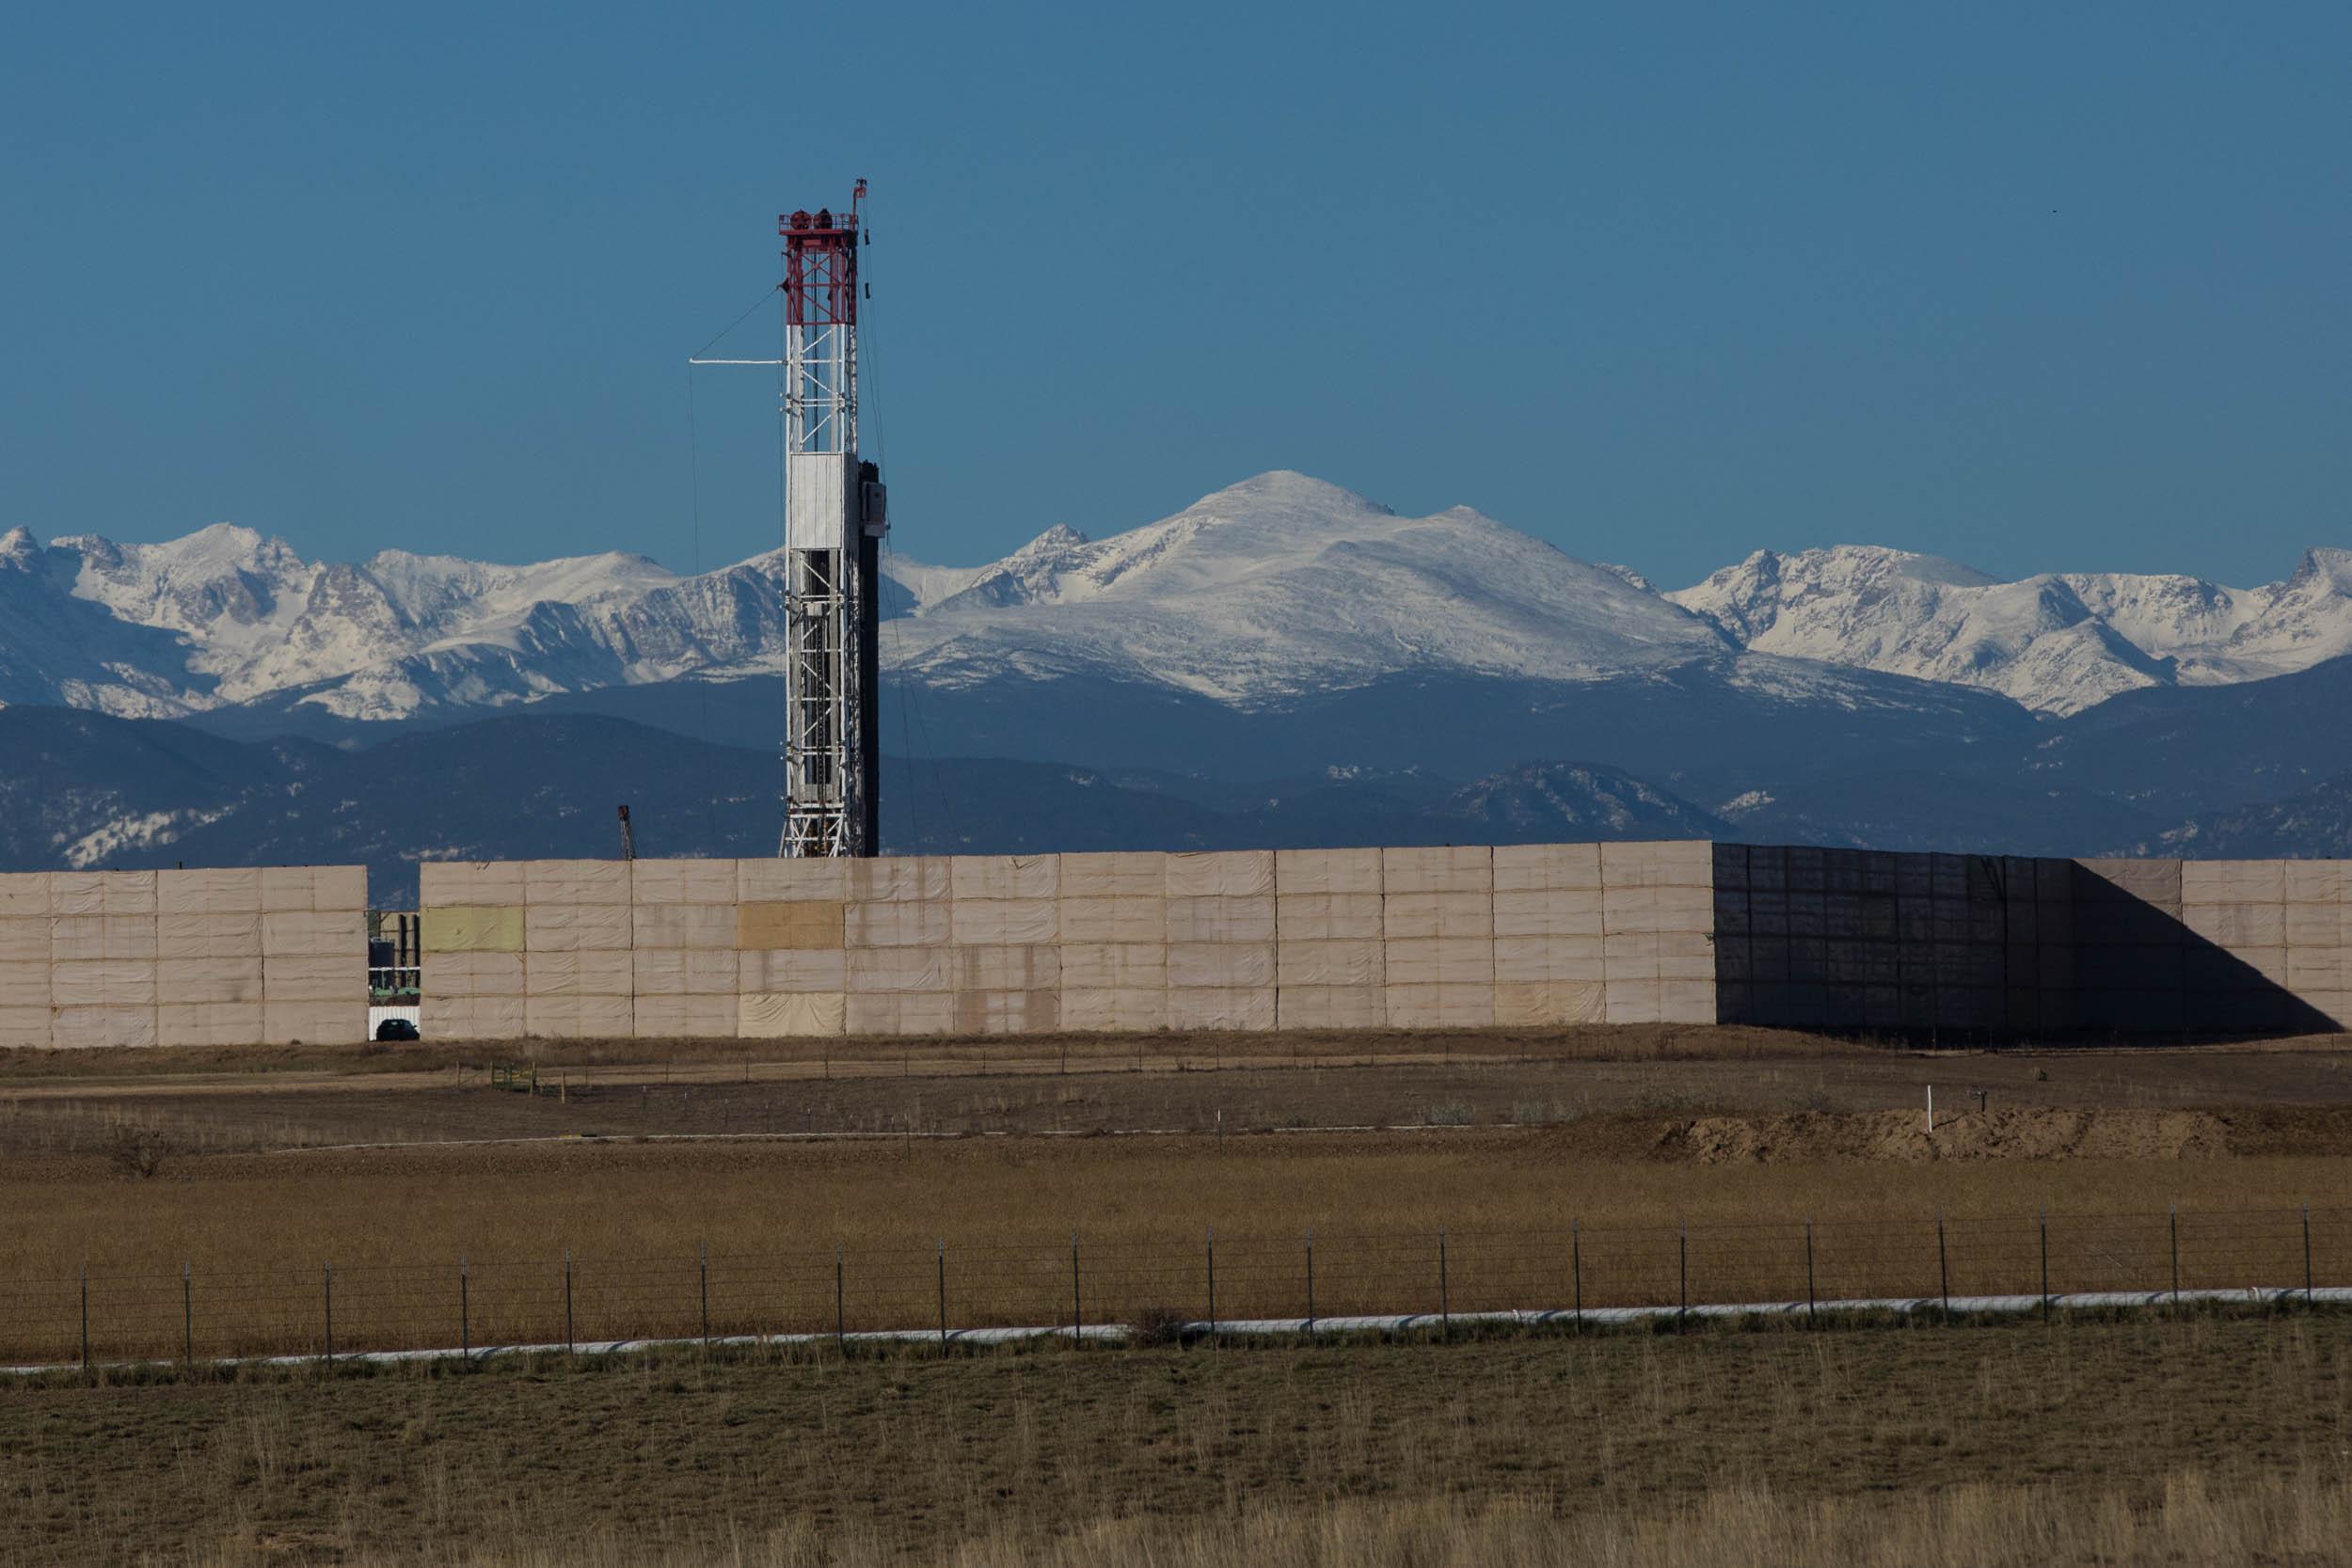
x: 835, y: 515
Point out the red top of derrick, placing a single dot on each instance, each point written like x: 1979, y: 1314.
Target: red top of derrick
x: 821, y: 264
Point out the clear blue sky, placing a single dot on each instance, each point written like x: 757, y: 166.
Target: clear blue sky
x: 2041, y: 287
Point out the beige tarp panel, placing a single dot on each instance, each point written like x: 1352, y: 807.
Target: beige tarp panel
x: 899, y: 880
x: 23, y: 896
x: 697, y: 1017
x: 1114, y: 966
x: 1545, y: 868
x: 2307, y: 926
x: 1674, y: 864
x: 312, y: 935
x: 1332, y: 1008
x: 1330, y: 963
x: 211, y: 980
x: 1124, y: 918
x: 109, y: 893
x: 88, y: 1028
x: 790, y: 1014
x: 775, y: 880
x: 1114, y: 876
x: 1548, y: 1002
x: 592, y: 1018
x: 1327, y: 871
x: 24, y: 1028
x: 2308, y: 968
x: 209, y: 936
x: 1549, y: 912
x: 1689, y: 956
x: 25, y: 938
x: 472, y: 929
x: 469, y: 883
x: 328, y: 979
x: 1329, y: 916
x: 1547, y: 961
x: 812, y: 922
x: 1220, y: 919
x: 2232, y: 881
x: 194, y: 891
x: 899, y: 968
x: 295, y: 888
x: 76, y: 937
x: 1228, y: 874
x: 1221, y: 1008
x: 472, y: 974
x: 1007, y: 1013
x: 1658, y: 909
x: 683, y: 972
x: 104, y: 983
x: 1463, y: 868
x: 1222, y: 964
x: 471, y: 1017
x: 681, y: 882
x: 792, y: 969
x: 2334, y: 1006
x: 209, y: 1025
x: 1021, y: 969
x: 576, y: 927
x: 2236, y: 925
x: 1686, y: 1001
x: 1441, y: 960
x: 2150, y: 881
x: 707, y: 926
x: 2236, y: 969
x: 1633, y: 1001
x: 996, y: 876
x: 1629, y: 954
x: 25, y: 985
x: 575, y: 883
x: 2303, y: 883
x: 587, y: 974
x: 1003, y: 922
x: 1102, y: 1011
x: 900, y: 1012
x: 1438, y: 915
x: 903, y: 925
x: 1440, y: 1007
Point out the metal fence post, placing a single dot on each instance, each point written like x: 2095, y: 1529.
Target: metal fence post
x: 86, y: 1309
x: 1682, y: 1266
x: 1576, y: 1269
x: 329, y: 1271
x: 943, y: 1294
x: 1942, y: 1266
x: 187, y: 1314
x: 2041, y: 1222
x: 1809, y: 1270
x: 1311, y: 1284
x: 2307, y: 1262
x: 2175, y: 1217
x: 702, y: 1266
x: 840, y: 1315
x: 464, y: 1310
x: 1077, y: 1301
x: 1212, y: 1235
x: 1445, y: 1303
x: 568, y: 1299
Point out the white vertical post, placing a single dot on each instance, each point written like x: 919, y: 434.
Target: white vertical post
x: 1931, y: 1109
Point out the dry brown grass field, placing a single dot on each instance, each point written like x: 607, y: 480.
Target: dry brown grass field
x: 2209, y: 1440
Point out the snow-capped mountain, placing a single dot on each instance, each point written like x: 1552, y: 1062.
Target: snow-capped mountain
x: 2057, y: 642
x: 1275, y: 589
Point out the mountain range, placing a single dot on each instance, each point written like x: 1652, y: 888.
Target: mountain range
x: 1282, y: 637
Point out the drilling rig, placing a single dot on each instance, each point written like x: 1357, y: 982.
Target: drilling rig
x: 835, y: 512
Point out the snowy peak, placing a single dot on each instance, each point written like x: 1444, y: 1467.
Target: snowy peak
x: 2055, y: 642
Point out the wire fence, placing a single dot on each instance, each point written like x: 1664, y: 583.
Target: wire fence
x: 1079, y: 1283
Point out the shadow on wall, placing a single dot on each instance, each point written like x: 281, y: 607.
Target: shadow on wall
x: 2011, y: 947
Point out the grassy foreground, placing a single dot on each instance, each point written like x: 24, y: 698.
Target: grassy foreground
x: 2206, y: 1439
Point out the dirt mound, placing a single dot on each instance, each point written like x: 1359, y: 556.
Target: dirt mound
x: 2023, y: 1133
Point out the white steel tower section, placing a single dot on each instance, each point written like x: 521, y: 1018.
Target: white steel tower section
x: 834, y: 517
